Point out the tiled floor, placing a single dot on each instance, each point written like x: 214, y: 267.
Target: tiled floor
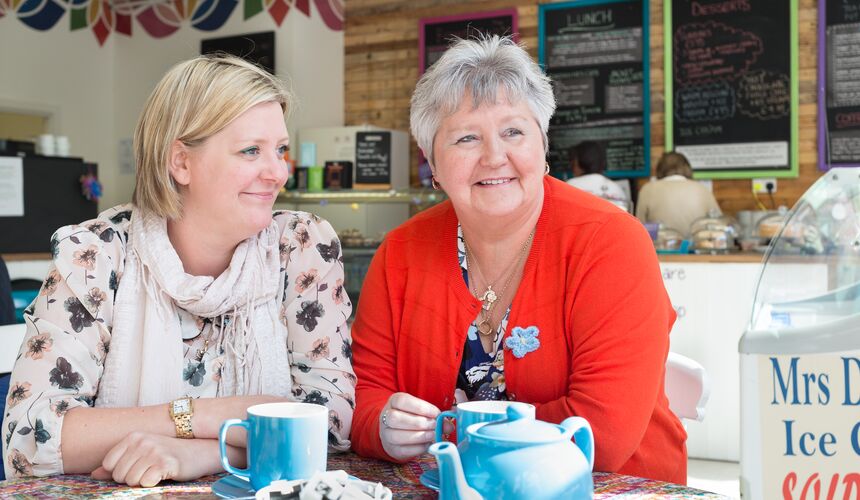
x: 711, y: 475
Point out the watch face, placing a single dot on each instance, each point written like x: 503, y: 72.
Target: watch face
x: 181, y: 406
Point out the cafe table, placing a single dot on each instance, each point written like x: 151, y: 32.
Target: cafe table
x: 403, y: 479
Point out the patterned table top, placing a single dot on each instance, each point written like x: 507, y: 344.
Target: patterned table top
x: 403, y: 479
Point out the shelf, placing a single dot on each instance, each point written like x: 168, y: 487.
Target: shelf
x: 414, y: 196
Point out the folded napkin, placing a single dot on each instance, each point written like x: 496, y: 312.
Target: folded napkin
x: 331, y: 485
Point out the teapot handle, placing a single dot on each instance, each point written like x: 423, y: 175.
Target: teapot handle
x: 581, y: 430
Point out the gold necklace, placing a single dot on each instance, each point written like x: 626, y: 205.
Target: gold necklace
x: 202, y: 350
x: 489, y: 297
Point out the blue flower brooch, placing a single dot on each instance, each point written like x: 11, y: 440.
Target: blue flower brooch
x: 523, y: 340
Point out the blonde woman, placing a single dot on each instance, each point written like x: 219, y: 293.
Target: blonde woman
x: 162, y: 318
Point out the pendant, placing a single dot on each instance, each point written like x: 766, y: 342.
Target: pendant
x: 488, y: 298
x: 484, y: 327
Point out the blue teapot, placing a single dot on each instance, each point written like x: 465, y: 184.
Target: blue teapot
x: 518, y: 458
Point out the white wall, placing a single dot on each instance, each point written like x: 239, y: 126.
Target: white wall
x: 65, y: 75
x: 95, y: 94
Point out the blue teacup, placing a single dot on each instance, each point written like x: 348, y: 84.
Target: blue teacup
x: 285, y: 441
x: 473, y: 412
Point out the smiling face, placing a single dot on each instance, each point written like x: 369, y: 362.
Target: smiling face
x: 490, y: 160
x: 233, y: 178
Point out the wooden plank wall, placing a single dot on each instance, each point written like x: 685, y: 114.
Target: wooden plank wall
x: 381, y: 69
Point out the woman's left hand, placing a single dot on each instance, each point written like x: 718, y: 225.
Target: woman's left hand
x: 145, y: 459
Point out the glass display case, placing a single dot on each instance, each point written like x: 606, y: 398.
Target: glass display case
x: 361, y: 219
x: 670, y: 240
x: 714, y: 234
x: 800, y: 357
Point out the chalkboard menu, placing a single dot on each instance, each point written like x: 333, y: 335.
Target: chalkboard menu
x: 373, y: 158
x: 435, y: 33
x: 839, y: 83
x: 731, y: 93
x: 596, y: 53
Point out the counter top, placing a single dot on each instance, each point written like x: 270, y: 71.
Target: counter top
x: 734, y: 258
x: 9, y: 257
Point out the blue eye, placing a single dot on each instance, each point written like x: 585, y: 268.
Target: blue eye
x: 282, y: 150
x: 513, y: 131
x: 465, y: 139
x: 252, y: 151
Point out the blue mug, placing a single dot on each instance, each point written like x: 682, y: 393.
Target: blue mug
x: 473, y: 412
x: 285, y: 441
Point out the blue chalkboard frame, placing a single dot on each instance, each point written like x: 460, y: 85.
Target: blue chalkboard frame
x: 543, y: 9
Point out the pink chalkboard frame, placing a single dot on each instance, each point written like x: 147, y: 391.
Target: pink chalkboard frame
x: 422, y: 23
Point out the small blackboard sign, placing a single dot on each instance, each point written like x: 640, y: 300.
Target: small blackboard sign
x: 436, y: 33
x: 731, y: 95
x: 258, y: 48
x: 839, y: 85
x: 596, y: 53
x: 52, y: 198
x: 373, y: 159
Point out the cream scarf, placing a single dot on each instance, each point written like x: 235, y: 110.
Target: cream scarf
x: 145, y: 361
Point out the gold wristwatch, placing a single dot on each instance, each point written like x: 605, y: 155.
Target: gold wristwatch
x: 181, y: 411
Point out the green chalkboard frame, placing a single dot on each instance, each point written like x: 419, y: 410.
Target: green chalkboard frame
x: 792, y: 170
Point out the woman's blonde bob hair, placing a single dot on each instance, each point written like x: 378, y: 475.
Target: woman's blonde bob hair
x: 193, y: 101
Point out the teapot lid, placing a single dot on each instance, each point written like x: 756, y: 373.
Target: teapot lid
x: 520, y: 427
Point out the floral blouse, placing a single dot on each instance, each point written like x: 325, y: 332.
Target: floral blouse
x: 61, y: 359
x: 482, y: 374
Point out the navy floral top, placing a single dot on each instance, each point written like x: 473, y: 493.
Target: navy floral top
x: 482, y: 374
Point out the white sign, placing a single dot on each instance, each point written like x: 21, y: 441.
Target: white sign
x: 11, y: 186
x: 733, y: 156
x: 810, y: 425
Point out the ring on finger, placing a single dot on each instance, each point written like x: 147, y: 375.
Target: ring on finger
x: 385, y: 418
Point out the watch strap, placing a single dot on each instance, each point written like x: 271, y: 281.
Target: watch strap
x: 182, y: 419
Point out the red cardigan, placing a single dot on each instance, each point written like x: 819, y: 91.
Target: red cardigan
x: 592, y: 286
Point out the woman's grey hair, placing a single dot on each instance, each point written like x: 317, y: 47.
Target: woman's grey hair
x: 484, y: 67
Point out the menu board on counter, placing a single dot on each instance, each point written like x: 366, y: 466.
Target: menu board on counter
x: 596, y: 53
x: 838, y: 83
x: 435, y: 33
x: 373, y: 159
x: 731, y: 86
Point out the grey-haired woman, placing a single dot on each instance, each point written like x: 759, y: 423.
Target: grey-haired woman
x: 518, y: 287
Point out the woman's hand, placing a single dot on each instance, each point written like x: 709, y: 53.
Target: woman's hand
x: 144, y: 459
x: 407, y: 426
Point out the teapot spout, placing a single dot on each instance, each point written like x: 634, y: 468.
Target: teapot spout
x: 452, y: 481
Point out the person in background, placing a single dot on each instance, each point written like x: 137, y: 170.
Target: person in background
x: 162, y: 318
x: 7, y: 304
x: 675, y: 200
x: 588, y: 162
x: 518, y: 287
x: 7, y: 317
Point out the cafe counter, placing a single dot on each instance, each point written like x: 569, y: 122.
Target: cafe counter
x: 713, y: 298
